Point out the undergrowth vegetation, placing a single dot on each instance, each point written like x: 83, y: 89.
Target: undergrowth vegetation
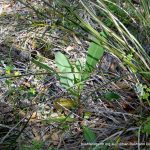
x: 77, y: 75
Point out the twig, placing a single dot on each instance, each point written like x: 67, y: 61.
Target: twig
x: 7, y: 135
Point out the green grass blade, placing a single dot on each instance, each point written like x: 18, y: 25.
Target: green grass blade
x: 44, y: 66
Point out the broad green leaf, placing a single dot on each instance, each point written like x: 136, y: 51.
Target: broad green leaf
x: 111, y: 96
x: 95, y: 52
x: 65, y: 68
x: 89, y: 135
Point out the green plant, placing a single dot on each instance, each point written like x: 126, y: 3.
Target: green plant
x: 73, y: 75
x: 35, y: 145
x: 143, y: 92
x: 120, y: 40
x: 146, y: 93
x: 124, y: 42
x: 89, y: 135
x: 146, y: 126
x: 111, y: 96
